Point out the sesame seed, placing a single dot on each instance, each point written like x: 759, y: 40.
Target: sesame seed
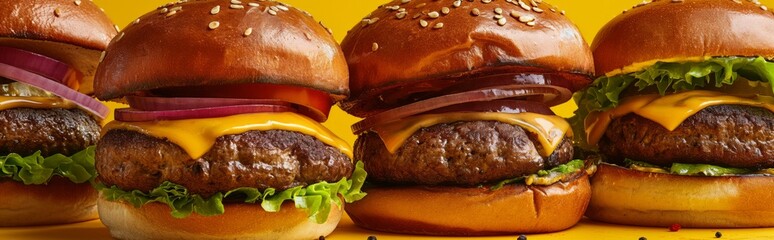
x: 116, y: 27
x: 524, y: 6
x: 475, y: 12
x: 170, y: 13
x: 178, y: 8
x: 374, y: 47
x: 234, y: 6
x: 531, y: 24
x: 164, y: 10
x: 416, y: 16
x: 537, y: 10
x: 501, y: 21
x: 562, y: 12
x: 433, y: 14
x: 423, y: 23
x: 445, y: 10
x: 236, y: 2
x: 764, y: 8
x: 498, y: 10
x: 275, y: 8
x: 272, y: 12
x: 57, y: 12
x: 120, y: 36
x: 515, y: 14
x: 283, y: 8
x: 400, y: 15
x: 526, y: 19
x: 677, y: 1
x: 486, y: 1
x: 308, y: 37
x: 253, y: 4
x: 420, y: 5
x: 438, y: 25
x: 372, y: 20
x: 77, y: 2
x: 552, y: 10
x: 457, y: 3
x: 214, y: 24
x: 215, y: 10
x: 498, y: 17
x: 136, y: 21
x: 248, y: 31
x: 405, y: 1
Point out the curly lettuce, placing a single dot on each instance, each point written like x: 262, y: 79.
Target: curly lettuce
x: 684, y: 169
x: 668, y: 77
x: 315, y: 198
x: 38, y: 170
x: 546, y: 177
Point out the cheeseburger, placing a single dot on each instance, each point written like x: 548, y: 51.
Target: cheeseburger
x: 457, y: 135
x: 49, y: 50
x: 222, y: 138
x: 683, y: 113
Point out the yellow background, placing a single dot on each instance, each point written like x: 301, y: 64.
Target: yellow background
x: 340, y: 15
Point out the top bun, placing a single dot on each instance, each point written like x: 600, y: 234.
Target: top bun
x: 215, y: 42
x: 439, y: 39
x: 74, y: 32
x: 670, y: 30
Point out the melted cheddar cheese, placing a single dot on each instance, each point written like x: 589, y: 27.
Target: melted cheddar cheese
x: 196, y: 136
x: 550, y: 130
x: 669, y: 111
x: 35, y: 102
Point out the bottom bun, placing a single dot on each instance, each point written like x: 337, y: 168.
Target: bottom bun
x: 60, y: 201
x: 625, y: 196
x: 240, y: 221
x: 455, y: 211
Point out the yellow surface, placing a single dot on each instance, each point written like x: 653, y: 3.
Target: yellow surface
x: 340, y: 15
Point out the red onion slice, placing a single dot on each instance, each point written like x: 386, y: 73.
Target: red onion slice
x: 87, y: 103
x: 540, y: 93
x: 44, y: 66
x: 134, y: 115
x: 185, y: 103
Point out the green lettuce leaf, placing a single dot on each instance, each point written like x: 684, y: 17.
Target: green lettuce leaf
x: 315, y: 198
x: 38, y: 170
x: 693, y: 169
x: 546, y: 177
x: 667, y: 77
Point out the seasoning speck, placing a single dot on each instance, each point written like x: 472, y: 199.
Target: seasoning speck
x: 718, y: 235
x: 522, y: 237
x: 214, y: 24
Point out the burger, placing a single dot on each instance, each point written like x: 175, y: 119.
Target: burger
x: 683, y: 112
x: 222, y: 138
x: 457, y: 136
x: 49, y: 51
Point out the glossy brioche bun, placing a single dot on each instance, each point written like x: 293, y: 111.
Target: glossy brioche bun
x: 665, y: 30
x: 624, y: 196
x: 384, y: 49
x: 240, y: 221
x: 59, y: 202
x: 184, y: 44
x: 60, y: 29
x: 458, y: 211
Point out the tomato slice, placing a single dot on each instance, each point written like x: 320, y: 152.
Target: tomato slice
x: 313, y: 103
x: 134, y: 115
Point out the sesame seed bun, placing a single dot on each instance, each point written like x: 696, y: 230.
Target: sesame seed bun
x: 206, y: 43
x: 735, y: 29
x: 75, y: 34
x: 60, y: 201
x: 240, y: 221
x: 625, y: 196
x: 458, y: 211
x: 389, y: 47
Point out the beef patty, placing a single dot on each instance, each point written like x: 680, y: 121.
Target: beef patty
x: 260, y: 159
x: 460, y: 153
x: 726, y: 135
x: 25, y: 131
